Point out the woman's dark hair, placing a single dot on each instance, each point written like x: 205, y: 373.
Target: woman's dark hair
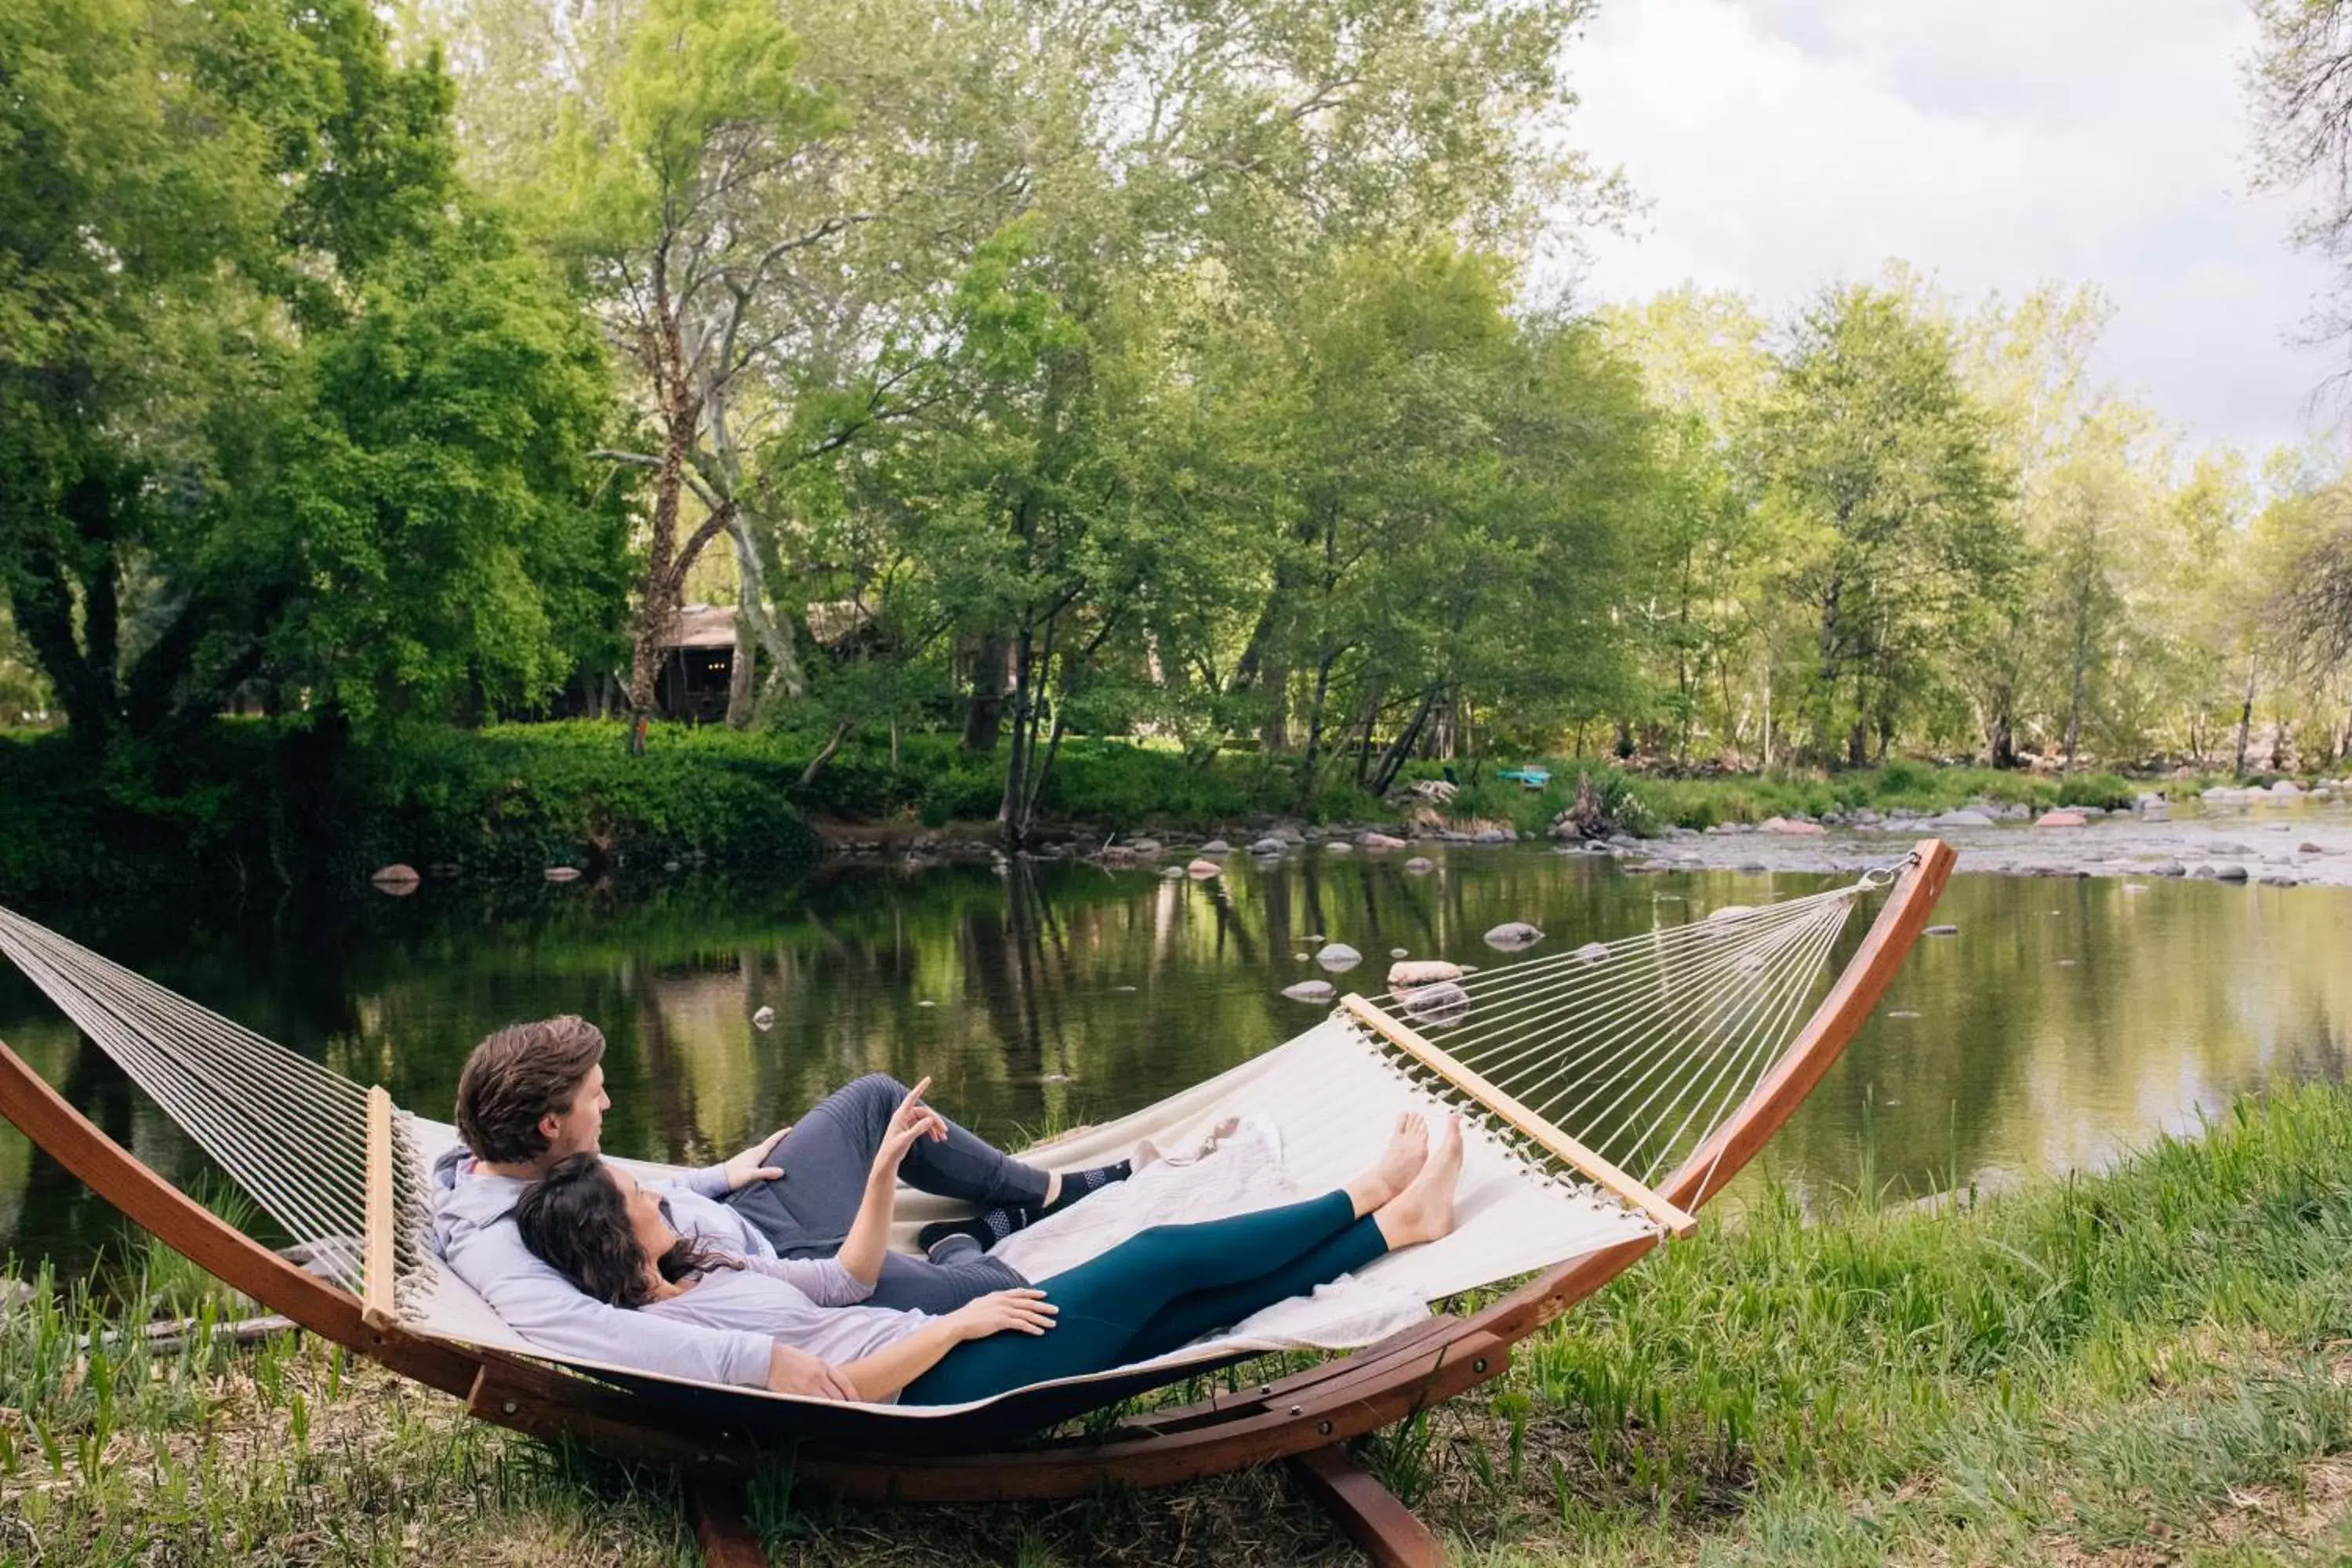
x: 573, y: 1220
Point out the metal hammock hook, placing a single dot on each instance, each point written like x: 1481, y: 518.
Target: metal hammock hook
x: 1881, y: 877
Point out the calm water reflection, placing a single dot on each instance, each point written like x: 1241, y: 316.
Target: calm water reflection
x: 2067, y: 1021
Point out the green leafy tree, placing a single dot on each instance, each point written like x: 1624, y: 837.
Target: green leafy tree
x: 1879, y: 467
x: 276, y: 422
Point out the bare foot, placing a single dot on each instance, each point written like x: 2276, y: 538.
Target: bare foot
x: 1399, y: 1163
x: 1407, y: 1151
x: 1423, y: 1211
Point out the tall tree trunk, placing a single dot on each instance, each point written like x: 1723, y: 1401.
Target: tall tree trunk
x: 769, y: 632
x: 2001, y: 734
x: 983, y: 717
x: 739, y: 694
x: 1011, y: 809
x: 666, y: 562
x: 2081, y: 663
x: 2245, y: 723
x: 1392, y: 760
x: 1315, y: 727
x: 1364, y: 739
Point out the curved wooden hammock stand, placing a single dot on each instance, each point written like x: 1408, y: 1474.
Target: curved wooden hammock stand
x: 1304, y: 1418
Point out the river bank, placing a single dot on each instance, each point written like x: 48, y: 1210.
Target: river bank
x: 2138, y: 1366
x: 251, y: 809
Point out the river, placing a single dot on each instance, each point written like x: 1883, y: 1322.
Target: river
x: 2065, y: 1021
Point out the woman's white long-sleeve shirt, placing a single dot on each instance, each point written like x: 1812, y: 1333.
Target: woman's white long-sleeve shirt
x: 809, y: 1303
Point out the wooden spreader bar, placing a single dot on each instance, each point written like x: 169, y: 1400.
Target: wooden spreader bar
x: 1602, y: 1173
x: 376, y: 1279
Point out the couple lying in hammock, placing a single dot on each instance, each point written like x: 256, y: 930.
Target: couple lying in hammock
x: 772, y: 1269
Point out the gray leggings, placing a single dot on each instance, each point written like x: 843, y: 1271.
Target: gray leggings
x: 807, y: 1212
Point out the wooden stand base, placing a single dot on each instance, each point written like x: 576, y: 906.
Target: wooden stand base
x: 1371, y: 1515
x: 725, y: 1536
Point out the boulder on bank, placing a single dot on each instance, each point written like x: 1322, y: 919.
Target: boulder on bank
x: 1960, y: 819
x: 1796, y: 826
x: 1512, y: 935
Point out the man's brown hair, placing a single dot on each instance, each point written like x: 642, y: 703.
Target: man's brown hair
x: 521, y: 1073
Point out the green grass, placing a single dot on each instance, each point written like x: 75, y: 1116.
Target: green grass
x: 2150, y: 1360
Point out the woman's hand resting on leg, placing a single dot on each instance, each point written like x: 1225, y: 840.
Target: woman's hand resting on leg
x: 1023, y: 1311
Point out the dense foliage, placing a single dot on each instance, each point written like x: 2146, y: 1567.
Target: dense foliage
x: 1034, y: 372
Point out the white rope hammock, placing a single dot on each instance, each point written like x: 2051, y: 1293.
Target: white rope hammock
x: 1635, y: 1050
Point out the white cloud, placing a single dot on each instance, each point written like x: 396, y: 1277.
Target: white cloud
x: 1783, y: 144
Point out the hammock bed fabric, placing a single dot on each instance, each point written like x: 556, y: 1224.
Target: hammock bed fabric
x: 1675, y: 1054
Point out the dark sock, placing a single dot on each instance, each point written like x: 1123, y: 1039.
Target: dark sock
x: 992, y: 1226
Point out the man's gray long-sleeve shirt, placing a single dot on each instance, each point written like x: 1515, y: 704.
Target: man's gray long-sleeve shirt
x: 474, y: 1232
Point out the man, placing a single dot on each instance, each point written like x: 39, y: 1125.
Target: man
x: 532, y: 1094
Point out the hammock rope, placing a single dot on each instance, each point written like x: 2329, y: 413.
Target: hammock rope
x: 1642, y: 1047
x: 289, y: 1131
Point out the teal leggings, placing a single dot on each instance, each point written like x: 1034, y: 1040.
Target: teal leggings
x: 1160, y: 1288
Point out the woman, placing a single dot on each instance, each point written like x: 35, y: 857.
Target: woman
x: 1160, y: 1288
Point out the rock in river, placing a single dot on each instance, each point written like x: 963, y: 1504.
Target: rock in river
x: 1425, y: 971
x: 1311, y: 991
x: 764, y: 1019
x: 1267, y: 846
x: 1442, y: 1003
x: 2062, y: 819
x: 1512, y: 935
x: 1203, y: 869
x: 1420, y: 863
x: 399, y: 881
x: 1216, y: 847
x: 1338, y: 957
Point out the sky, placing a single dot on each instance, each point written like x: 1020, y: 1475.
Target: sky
x: 1777, y: 145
